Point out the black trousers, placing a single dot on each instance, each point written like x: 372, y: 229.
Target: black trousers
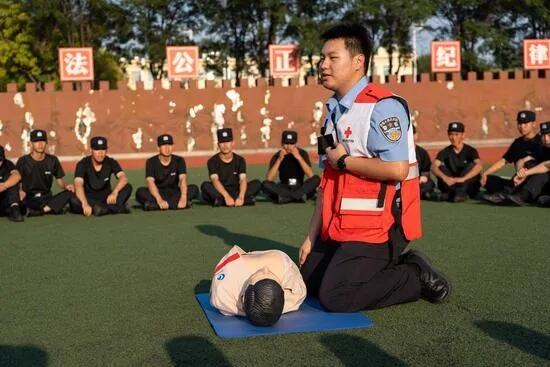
x: 426, y: 187
x: 470, y: 187
x: 296, y: 192
x: 56, y: 202
x: 100, y: 199
x: 353, y: 276
x: 499, y: 184
x: 171, y: 195
x: 211, y: 195
x: 8, y: 198
x: 534, y: 186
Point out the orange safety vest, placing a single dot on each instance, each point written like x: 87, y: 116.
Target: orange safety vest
x: 359, y: 209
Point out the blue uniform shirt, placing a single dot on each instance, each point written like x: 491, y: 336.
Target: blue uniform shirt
x: 377, y: 143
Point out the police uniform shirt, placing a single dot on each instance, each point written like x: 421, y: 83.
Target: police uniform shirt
x: 232, y: 272
x: 5, y: 169
x: 228, y: 173
x: 165, y: 176
x: 424, y: 160
x: 290, y: 171
x: 37, y: 176
x: 521, y: 148
x: 379, y: 143
x: 456, y: 162
x: 542, y: 154
x: 97, y: 181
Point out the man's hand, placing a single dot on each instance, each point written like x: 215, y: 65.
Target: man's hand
x: 111, y: 199
x: 239, y: 201
x: 282, y: 154
x: 87, y: 210
x: 483, y: 179
x: 69, y: 187
x: 459, y: 180
x: 305, y: 250
x: 3, y: 187
x: 522, y: 173
x: 423, y: 179
x: 229, y: 201
x: 182, y: 203
x: 450, y: 181
x: 334, y: 154
x: 163, y: 204
x: 295, y: 152
x: 22, y: 195
x: 518, y: 180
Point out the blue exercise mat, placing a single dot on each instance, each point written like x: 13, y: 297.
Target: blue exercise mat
x: 310, y: 317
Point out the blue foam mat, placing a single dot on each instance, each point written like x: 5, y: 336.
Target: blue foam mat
x: 309, y: 318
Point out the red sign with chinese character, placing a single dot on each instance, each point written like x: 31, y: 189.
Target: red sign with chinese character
x: 76, y: 64
x: 182, y: 62
x: 284, y: 60
x: 536, y: 54
x: 445, y: 56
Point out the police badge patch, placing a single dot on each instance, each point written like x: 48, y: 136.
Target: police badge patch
x: 391, y: 128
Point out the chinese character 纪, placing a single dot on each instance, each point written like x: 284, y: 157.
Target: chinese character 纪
x: 446, y: 56
x: 538, y: 54
x: 183, y: 63
x: 75, y: 64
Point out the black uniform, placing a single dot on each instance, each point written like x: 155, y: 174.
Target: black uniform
x: 458, y: 165
x: 424, y: 166
x: 167, y: 181
x: 292, y: 186
x: 11, y: 195
x: 536, y: 185
x: 36, y: 181
x: 97, y: 186
x: 228, y: 174
x: 520, y: 148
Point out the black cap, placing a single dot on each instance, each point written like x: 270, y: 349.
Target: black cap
x: 165, y: 139
x: 545, y: 127
x: 38, y: 135
x: 98, y: 143
x: 225, y: 135
x: 289, y: 137
x: 526, y: 116
x: 2, y: 155
x: 456, y: 127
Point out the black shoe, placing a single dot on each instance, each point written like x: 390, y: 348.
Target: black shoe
x: 149, y: 206
x: 283, y: 199
x: 459, y: 198
x: 301, y: 199
x: 124, y: 210
x: 517, y: 199
x: 99, y: 210
x: 15, y: 214
x: 435, y: 287
x: 496, y: 198
x: 544, y: 201
x: 34, y: 213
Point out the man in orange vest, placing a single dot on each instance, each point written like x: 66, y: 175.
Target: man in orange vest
x: 368, y: 207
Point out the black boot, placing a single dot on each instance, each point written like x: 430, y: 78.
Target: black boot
x: 435, y: 287
x: 15, y: 214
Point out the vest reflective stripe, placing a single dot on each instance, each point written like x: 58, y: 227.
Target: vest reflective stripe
x: 360, y: 204
x: 413, y: 172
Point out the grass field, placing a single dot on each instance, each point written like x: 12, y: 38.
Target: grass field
x: 118, y: 291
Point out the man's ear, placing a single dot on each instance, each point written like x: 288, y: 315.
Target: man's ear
x: 359, y: 62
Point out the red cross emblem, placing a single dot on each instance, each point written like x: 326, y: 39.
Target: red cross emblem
x: 347, y: 133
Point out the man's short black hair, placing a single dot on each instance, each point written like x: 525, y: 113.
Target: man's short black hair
x: 356, y: 38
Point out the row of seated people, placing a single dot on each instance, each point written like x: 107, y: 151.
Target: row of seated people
x: 460, y: 175
x: 25, y: 188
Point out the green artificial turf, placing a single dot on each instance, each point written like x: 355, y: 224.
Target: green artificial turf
x: 119, y: 290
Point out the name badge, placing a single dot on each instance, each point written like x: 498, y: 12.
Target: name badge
x: 292, y: 181
x: 173, y: 174
x: 106, y: 179
x: 37, y: 195
x: 47, y: 173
